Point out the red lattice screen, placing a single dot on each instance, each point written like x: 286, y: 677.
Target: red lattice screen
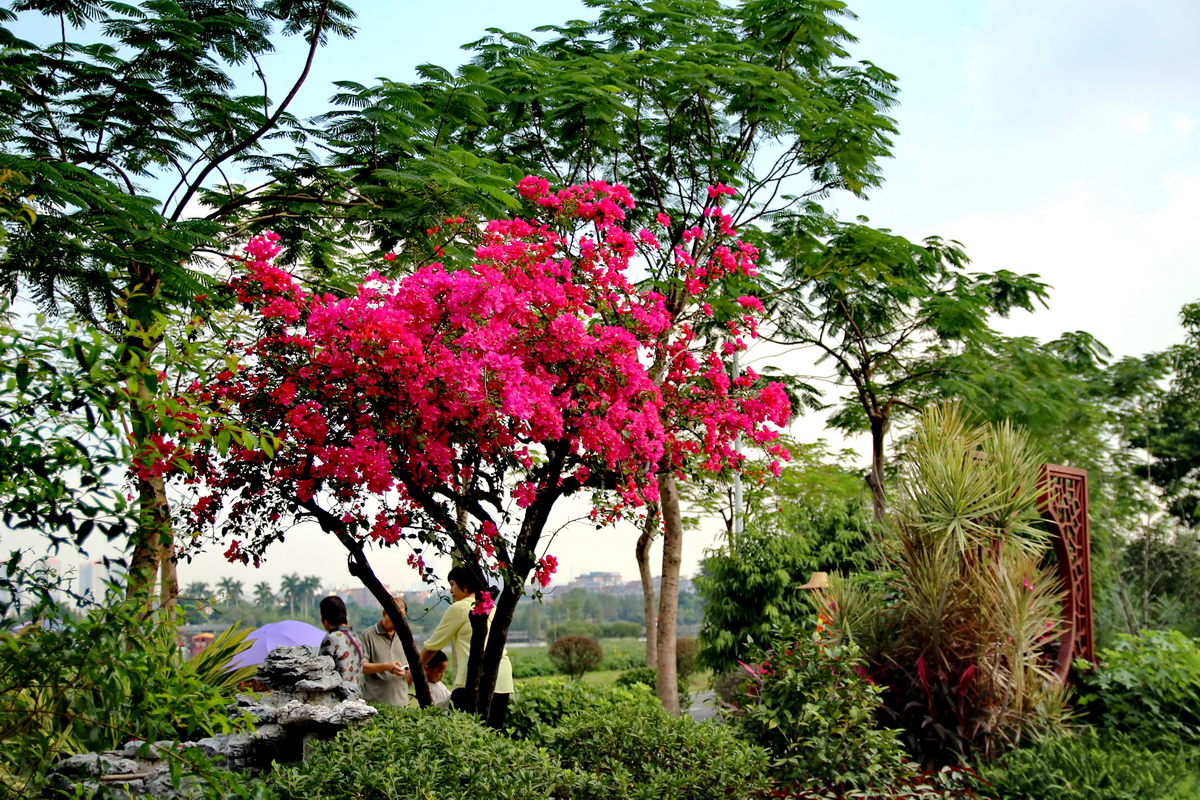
x: 1064, y: 504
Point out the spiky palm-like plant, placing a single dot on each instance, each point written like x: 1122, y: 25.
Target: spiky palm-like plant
x: 959, y: 625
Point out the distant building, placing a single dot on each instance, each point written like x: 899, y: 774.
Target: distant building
x: 91, y: 580
x: 611, y: 583
x: 359, y: 595
x: 597, y: 582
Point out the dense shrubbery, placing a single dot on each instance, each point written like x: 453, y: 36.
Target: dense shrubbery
x: 960, y: 625
x: 538, y: 705
x: 575, y: 655
x: 808, y: 702
x: 622, y: 630
x: 612, y: 744
x: 685, y: 656
x: 647, y: 676
x: 58, y: 697
x: 1092, y: 766
x: 647, y: 755
x: 1148, y: 685
x: 410, y: 753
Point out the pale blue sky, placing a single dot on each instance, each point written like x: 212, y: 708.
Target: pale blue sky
x: 1060, y: 138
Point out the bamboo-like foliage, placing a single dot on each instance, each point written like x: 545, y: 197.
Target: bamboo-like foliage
x: 961, y: 623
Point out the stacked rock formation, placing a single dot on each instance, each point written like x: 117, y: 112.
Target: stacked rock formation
x: 308, y: 700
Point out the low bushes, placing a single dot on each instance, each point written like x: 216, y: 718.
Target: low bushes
x: 808, y: 702
x: 1148, y: 685
x: 647, y: 755
x: 540, y: 704
x: 613, y: 744
x: 425, y: 754
x: 647, y: 676
x: 575, y: 655
x: 1092, y: 766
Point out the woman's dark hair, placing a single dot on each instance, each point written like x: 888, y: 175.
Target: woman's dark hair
x: 333, y: 610
x: 462, y: 576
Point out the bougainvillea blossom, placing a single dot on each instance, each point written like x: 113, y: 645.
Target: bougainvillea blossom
x: 449, y: 409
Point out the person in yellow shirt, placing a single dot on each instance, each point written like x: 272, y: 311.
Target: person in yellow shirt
x: 455, y: 630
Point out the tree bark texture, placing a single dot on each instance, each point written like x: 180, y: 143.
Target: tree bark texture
x: 879, y: 429
x: 666, y: 680
x: 644, y: 543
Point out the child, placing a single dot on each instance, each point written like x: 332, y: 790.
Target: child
x: 435, y: 670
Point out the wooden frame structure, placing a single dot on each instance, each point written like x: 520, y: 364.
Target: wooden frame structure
x: 1064, y: 505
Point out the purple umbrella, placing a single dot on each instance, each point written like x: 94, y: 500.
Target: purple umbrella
x: 289, y: 632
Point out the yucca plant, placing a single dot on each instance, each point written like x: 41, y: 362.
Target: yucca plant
x: 959, y: 625
x: 211, y: 664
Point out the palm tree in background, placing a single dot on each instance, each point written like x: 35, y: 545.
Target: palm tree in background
x: 234, y: 591
x: 197, y: 590
x: 264, y: 597
x: 290, y: 587
x: 309, y: 587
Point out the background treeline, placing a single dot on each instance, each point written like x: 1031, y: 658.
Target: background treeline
x: 571, y: 612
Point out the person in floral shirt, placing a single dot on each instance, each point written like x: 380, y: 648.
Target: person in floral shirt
x: 340, y: 643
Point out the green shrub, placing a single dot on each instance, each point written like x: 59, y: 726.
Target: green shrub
x: 807, y: 704
x: 1090, y: 766
x: 647, y: 676
x: 575, y: 655
x: 685, y: 657
x: 58, y: 697
x: 621, y: 629
x: 1147, y: 684
x: 540, y: 704
x: 646, y: 754
x: 420, y: 753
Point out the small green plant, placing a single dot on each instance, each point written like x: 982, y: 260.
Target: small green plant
x: 539, y: 705
x: 575, y: 655
x: 426, y: 753
x: 58, y: 697
x: 211, y: 664
x: 1091, y: 766
x: 642, y: 754
x: 810, y: 704
x: 647, y: 676
x: 1147, y: 685
x: 685, y: 657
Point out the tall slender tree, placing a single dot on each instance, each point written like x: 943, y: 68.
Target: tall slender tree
x: 145, y: 103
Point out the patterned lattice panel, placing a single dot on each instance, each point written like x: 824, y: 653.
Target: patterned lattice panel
x: 1064, y: 503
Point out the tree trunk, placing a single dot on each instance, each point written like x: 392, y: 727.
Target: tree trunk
x: 666, y: 681
x: 879, y: 427
x: 644, y: 543
x: 168, y: 581
x: 150, y: 539
x: 361, y: 569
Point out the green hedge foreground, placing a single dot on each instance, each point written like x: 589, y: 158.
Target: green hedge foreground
x: 620, y: 752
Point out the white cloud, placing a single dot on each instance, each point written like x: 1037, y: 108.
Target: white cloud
x: 1120, y: 270
x: 1140, y: 123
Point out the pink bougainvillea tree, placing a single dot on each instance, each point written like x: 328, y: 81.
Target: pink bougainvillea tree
x: 448, y: 410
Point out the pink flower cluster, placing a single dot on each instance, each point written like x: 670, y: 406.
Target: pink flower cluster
x: 410, y: 387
